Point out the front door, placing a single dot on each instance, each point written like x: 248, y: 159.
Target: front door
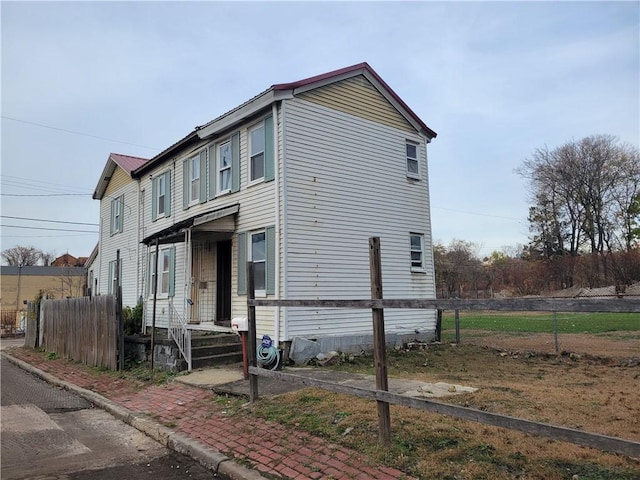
x: 223, y: 284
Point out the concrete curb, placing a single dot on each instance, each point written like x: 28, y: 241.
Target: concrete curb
x: 210, y: 459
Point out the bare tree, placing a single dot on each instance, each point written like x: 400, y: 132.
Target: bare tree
x: 19, y: 256
x: 585, y: 197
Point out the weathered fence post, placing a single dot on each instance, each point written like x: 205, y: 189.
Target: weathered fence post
x: 555, y: 329
x: 119, y: 319
x: 251, y: 319
x: 457, y: 322
x: 438, y: 336
x: 379, y: 341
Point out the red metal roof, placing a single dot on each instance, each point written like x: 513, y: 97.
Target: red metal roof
x: 127, y: 162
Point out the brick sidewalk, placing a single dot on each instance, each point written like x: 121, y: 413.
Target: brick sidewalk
x: 267, y: 447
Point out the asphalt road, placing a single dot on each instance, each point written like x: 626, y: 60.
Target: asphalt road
x: 52, y: 434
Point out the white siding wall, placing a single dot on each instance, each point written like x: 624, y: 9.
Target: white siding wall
x: 346, y: 181
x: 257, y: 210
x: 125, y: 241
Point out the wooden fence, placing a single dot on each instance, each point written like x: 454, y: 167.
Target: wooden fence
x: 82, y: 329
x: 383, y: 398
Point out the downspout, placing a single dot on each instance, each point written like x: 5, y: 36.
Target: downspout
x: 285, y: 269
x: 139, y: 290
x: 276, y: 333
x: 100, y: 253
x: 187, y: 276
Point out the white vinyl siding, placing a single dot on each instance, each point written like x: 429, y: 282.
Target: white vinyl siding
x: 332, y: 210
x: 121, y: 187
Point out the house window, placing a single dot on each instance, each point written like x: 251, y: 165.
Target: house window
x: 256, y: 158
x: 113, y: 278
x: 417, y: 252
x: 194, y: 178
x: 224, y: 167
x: 413, y: 166
x: 166, y: 272
x: 259, y: 258
x: 116, y: 214
x: 161, y: 193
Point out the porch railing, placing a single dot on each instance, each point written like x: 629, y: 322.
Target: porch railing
x: 180, y: 334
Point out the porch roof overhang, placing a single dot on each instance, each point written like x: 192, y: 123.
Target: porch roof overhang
x: 202, y: 222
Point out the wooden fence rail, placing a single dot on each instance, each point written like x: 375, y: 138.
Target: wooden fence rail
x: 377, y: 305
x: 82, y: 329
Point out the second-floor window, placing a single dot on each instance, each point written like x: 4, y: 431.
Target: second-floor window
x: 256, y: 152
x: 194, y: 174
x: 117, y: 205
x: 161, y: 193
x: 224, y: 167
x: 413, y: 166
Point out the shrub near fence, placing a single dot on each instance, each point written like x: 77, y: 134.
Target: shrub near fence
x: 82, y: 329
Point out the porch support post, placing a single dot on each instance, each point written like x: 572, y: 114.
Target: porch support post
x: 155, y: 301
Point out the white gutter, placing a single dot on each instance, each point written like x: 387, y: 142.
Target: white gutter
x: 139, y: 289
x: 274, y: 110
x: 100, y: 252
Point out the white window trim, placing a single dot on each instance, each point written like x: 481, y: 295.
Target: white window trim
x: 219, y: 190
x: 412, y: 175
x: 194, y: 160
x: 153, y: 264
x: 249, y: 168
x: 259, y: 293
x: 421, y: 268
x: 160, y: 180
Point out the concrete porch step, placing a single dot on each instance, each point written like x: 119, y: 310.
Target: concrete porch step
x: 219, y: 359
x: 201, y: 340
x: 215, y: 349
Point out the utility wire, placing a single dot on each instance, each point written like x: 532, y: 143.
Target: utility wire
x: 475, y: 213
x: 47, y: 228
x: 78, y: 133
x: 50, y: 221
x: 42, y: 194
x: 31, y: 182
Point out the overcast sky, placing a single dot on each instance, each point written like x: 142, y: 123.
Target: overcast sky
x: 494, y: 80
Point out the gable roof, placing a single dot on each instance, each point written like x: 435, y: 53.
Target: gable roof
x: 289, y: 90
x: 125, y: 162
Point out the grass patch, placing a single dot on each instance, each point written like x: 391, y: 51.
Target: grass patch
x: 543, y: 322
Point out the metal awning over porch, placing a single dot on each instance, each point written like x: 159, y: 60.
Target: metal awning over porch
x: 218, y: 221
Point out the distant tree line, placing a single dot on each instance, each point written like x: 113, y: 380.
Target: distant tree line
x: 584, y: 221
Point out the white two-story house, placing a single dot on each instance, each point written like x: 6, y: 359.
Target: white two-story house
x: 119, y: 196
x: 296, y: 180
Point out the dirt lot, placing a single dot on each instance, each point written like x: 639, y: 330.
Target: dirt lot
x: 614, y: 345
x: 592, y: 385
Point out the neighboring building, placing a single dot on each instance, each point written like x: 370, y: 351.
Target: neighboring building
x: 119, y: 230
x: 296, y: 179
x: 67, y: 260
x: 25, y: 284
